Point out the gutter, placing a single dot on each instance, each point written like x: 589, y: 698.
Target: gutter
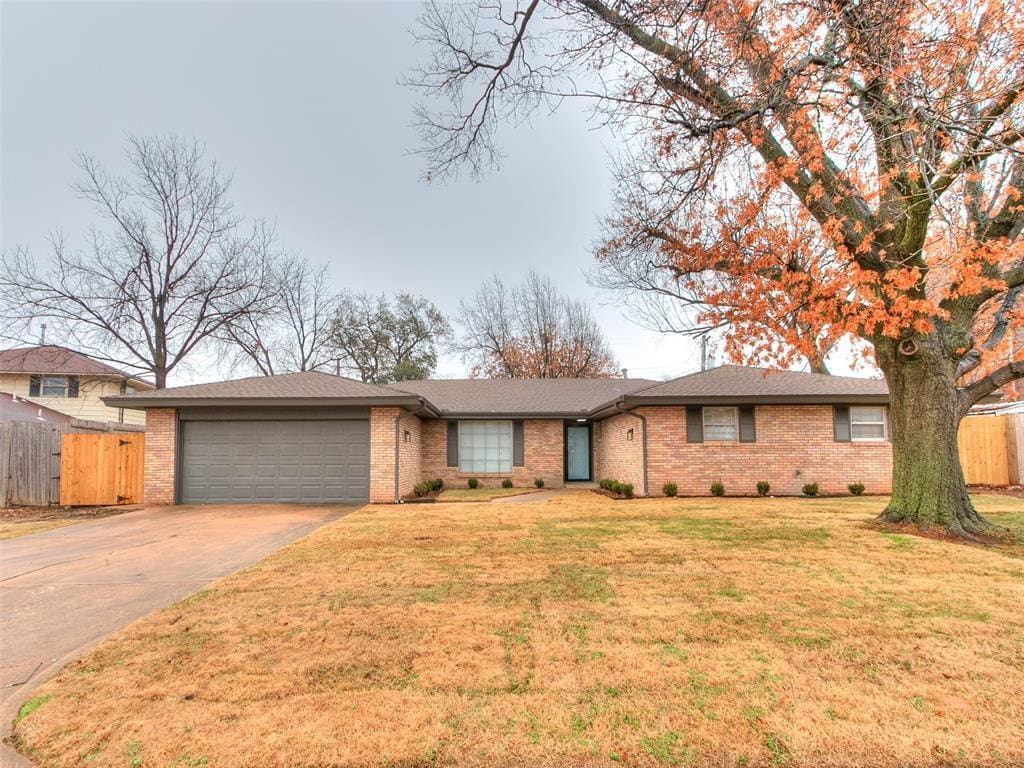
x: 398, y: 433
x: 643, y: 427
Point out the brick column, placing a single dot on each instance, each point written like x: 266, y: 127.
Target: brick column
x: 161, y: 447
x: 382, y: 454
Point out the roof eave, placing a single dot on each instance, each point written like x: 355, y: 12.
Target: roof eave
x: 867, y: 399
x: 143, y: 403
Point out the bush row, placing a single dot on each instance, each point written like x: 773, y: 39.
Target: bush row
x: 506, y: 483
x: 810, y: 489
x: 625, y: 490
x: 422, y: 489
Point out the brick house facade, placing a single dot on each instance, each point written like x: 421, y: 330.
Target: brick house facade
x: 356, y: 442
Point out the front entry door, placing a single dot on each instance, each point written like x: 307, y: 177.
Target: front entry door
x: 577, y: 453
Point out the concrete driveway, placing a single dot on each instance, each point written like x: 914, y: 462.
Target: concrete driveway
x: 63, y: 590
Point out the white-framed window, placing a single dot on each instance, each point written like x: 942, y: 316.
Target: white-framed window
x: 867, y: 422
x: 54, y: 386
x: 721, y: 423
x: 485, y: 446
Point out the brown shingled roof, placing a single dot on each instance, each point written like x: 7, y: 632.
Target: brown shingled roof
x: 307, y: 385
x: 736, y: 383
x: 521, y: 397
x: 56, y: 360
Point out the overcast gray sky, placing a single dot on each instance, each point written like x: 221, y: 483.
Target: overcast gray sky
x: 302, y: 102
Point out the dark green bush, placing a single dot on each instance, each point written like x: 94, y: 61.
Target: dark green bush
x: 539, y: 482
x: 422, y: 489
x: 717, y: 489
x: 626, y: 489
x: 670, y: 489
x: 506, y: 483
x: 763, y: 487
x: 811, y: 489
x: 472, y: 482
x: 856, y: 488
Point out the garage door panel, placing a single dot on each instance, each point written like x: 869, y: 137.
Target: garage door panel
x: 303, y: 461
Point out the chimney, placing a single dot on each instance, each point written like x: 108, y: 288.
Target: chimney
x: 625, y: 373
x: 42, y: 334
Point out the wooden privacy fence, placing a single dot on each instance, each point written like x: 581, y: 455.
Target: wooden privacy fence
x: 991, y: 449
x: 101, y: 469
x: 31, y: 453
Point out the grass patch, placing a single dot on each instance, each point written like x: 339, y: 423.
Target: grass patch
x: 574, y: 632
x: 480, y: 494
x: 30, y: 706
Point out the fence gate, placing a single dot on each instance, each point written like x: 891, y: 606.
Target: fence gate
x: 984, y: 451
x: 101, y: 469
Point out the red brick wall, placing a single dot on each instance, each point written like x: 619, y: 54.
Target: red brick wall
x: 615, y: 455
x: 382, y: 454
x: 543, y: 456
x: 159, y: 463
x: 410, y: 453
x: 794, y: 446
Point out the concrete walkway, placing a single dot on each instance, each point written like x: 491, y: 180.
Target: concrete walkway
x: 61, y: 591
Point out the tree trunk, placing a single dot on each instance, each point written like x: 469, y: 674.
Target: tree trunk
x: 928, y: 488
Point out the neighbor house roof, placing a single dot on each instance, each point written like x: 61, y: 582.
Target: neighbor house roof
x: 521, y: 397
x: 742, y: 384
x: 52, y: 359
x: 13, y: 408
x: 305, y: 388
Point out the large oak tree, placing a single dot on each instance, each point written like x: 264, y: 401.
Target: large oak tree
x: 848, y: 168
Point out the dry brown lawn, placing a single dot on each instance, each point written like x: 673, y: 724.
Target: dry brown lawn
x: 574, y: 632
x: 21, y: 521
x: 481, y: 494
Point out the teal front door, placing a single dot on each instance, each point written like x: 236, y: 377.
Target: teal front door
x: 577, y: 453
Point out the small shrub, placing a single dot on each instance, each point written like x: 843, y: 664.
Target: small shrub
x: 856, y: 488
x: 763, y: 487
x: 811, y: 489
x: 437, y: 484
x: 606, y: 484
x: 422, y: 489
x: 670, y: 489
x: 615, y: 486
x: 472, y: 482
x: 626, y: 489
x: 506, y: 483
x: 717, y: 489
x: 539, y: 482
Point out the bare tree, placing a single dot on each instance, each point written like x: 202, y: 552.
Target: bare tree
x: 294, y: 332
x: 531, y: 331
x: 383, y: 340
x: 173, y: 266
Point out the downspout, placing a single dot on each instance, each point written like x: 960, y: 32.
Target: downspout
x: 643, y: 438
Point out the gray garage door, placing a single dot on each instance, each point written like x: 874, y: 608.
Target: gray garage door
x: 254, y: 461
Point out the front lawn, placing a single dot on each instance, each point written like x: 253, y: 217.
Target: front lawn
x: 573, y: 632
x: 481, y: 494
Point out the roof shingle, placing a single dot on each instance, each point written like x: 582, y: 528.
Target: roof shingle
x: 56, y: 360
x: 313, y: 385
x: 513, y: 397
x: 737, y: 381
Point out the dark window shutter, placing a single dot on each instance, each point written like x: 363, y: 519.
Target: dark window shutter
x: 453, y: 443
x: 841, y: 423
x: 518, y: 452
x: 748, y: 426
x: 694, y: 424
x: 72, y: 386
x: 33, y: 385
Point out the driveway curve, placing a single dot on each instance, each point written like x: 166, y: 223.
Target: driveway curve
x: 63, y: 590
